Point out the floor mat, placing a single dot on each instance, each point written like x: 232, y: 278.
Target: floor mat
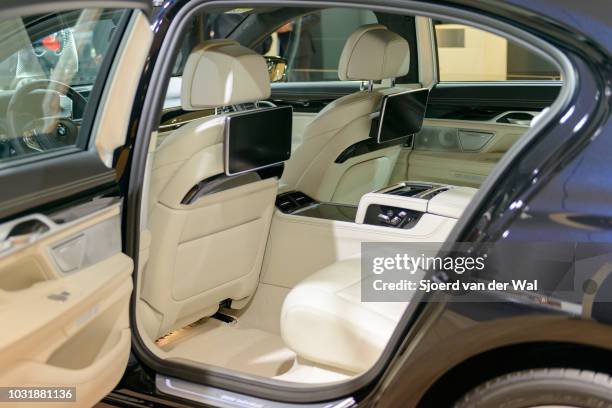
x: 213, y: 342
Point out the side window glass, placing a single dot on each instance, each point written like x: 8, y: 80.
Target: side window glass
x: 312, y: 44
x: 49, y: 65
x: 469, y: 54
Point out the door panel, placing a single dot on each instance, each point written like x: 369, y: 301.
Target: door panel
x: 65, y: 284
x: 460, y: 169
x: 457, y: 152
x: 468, y: 128
x: 65, y: 328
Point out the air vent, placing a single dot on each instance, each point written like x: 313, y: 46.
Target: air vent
x: 292, y: 201
x: 434, y: 193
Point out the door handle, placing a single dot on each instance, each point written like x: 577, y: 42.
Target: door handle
x: 23, y: 232
x: 515, y: 121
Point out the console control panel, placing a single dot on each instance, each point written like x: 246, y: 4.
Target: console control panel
x: 401, y: 205
x: 387, y: 216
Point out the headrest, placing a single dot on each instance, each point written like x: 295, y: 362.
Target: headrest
x: 374, y: 53
x: 223, y: 73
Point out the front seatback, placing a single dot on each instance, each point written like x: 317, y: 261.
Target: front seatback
x: 371, y: 53
x: 208, y: 248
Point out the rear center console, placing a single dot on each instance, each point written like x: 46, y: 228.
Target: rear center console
x: 402, y: 205
x: 309, y: 235
x: 298, y: 203
x: 399, y: 206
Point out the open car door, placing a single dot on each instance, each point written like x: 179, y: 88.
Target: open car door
x: 68, y: 73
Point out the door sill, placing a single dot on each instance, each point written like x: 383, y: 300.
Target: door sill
x: 218, y: 397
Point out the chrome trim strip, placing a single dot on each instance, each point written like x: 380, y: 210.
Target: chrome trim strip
x: 218, y: 397
x: 448, y: 84
x: 174, y: 126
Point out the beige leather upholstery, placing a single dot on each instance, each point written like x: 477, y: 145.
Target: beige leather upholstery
x: 371, y: 53
x: 210, y: 250
x: 82, y: 340
x: 323, y: 319
x: 294, y: 239
x: 223, y: 73
x: 461, y: 168
x: 374, y: 53
x: 451, y: 203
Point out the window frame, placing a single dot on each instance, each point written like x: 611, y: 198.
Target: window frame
x: 84, y: 137
x: 41, y: 183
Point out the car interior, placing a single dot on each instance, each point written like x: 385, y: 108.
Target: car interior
x: 261, y: 189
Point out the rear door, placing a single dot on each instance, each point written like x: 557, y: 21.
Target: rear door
x: 68, y: 75
x: 489, y: 91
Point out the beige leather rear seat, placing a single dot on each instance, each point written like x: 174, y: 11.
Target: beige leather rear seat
x: 324, y: 320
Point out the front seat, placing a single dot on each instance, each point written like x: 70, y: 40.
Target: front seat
x: 207, y: 247
x: 371, y: 53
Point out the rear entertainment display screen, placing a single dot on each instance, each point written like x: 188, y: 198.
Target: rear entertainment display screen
x: 402, y: 114
x: 256, y: 139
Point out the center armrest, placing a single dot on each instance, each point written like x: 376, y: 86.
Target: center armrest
x: 402, y: 205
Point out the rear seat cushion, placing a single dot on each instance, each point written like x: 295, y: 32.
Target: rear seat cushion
x: 323, y: 319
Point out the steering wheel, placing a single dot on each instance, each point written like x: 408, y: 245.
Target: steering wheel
x: 29, y: 131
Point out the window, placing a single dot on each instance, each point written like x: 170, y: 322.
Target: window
x: 312, y: 44
x: 48, y: 67
x: 469, y: 54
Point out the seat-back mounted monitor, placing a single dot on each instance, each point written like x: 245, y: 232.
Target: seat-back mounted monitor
x: 257, y: 139
x: 401, y: 114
